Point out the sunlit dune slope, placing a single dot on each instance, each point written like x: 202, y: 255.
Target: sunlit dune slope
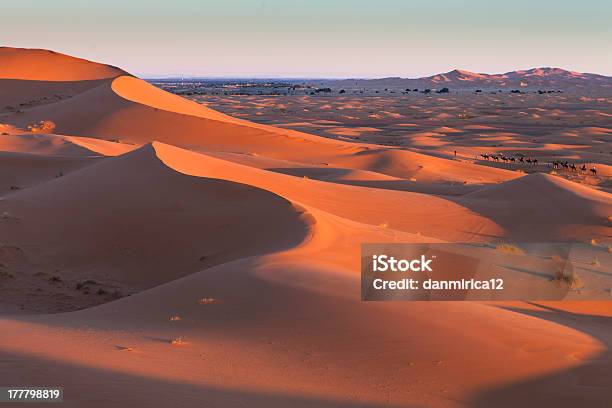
x: 45, y: 65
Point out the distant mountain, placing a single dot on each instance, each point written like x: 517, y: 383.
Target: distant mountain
x: 532, y: 79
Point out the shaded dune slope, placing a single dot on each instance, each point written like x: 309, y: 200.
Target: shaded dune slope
x: 132, y: 219
x: 18, y: 94
x: 23, y: 170
x: 59, y: 145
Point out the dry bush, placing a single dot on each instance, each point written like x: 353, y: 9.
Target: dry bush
x: 509, y: 249
x: 207, y: 301
x: 44, y: 126
x: 568, y: 277
x: 179, y: 341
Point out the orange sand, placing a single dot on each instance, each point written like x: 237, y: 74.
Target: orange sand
x: 139, y: 192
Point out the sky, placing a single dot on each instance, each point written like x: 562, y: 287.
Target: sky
x: 317, y: 38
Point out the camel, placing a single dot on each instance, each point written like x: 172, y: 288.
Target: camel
x: 594, y: 170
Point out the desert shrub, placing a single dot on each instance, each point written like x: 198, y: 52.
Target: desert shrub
x: 509, y: 249
x: 44, y: 126
x: 179, y: 341
x: 567, y: 276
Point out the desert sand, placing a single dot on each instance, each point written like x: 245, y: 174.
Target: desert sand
x: 156, y: 251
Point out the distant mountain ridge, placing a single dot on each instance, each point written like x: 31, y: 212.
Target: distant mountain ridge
x: 536, y: 78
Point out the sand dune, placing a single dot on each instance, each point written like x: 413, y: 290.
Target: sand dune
x: 335, y: 174
x: 246, y: 324
x: 23, y: 170
x: 132, y: 110
x: 309, y: 363
x: 58, y: 145
x: 560, y: 208
x: 45, y: 65
x: 102, y: 112
x: 18, y: 95
x: 406, y: 164
x: 222, y: 258
x: 404, y: 211
x: 145, y: 224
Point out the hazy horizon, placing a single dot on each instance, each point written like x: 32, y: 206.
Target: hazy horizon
x: 317, y: 39
x: 280, y: 77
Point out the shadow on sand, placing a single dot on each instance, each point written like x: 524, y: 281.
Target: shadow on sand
x: 93, y: 387
x: 589, y: 385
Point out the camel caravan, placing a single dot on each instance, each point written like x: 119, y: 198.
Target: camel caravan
x: 572, y: 167
x: 500, y: 157
x: 556, y: 164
